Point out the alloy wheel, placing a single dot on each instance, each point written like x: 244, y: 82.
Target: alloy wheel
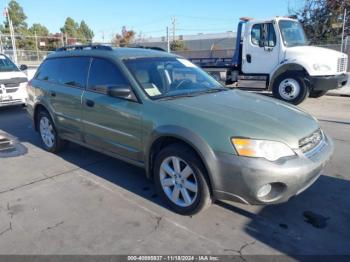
x: 178, y: 181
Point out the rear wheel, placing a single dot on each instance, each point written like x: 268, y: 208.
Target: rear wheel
x: 48, y: 133
x: 317, y: 93
x: 180, y: 180
x: 290, y: 87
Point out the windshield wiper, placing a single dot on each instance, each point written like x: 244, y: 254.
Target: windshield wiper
x: 171, y: 97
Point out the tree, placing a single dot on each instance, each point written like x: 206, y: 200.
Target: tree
x: 177, y: 45
x: 17, y: 15
x: 322, y: 20
x: 125, y: 38
x: 85, y: 32
x: 41, y: 33
x: 70, y: 28
x: 80, y: 33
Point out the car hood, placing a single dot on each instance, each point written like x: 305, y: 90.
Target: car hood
x: 243, y: 114
x: 12, y: 74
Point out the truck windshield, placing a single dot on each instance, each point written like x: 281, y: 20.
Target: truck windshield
x: 165, y: 77
x: 292, y: 33
x: 6, y: 65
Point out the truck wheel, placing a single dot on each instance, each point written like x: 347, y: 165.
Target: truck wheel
x: 48, y: 133
x: 317, y: 94
x: 180, y: 180
x: 290, y: 87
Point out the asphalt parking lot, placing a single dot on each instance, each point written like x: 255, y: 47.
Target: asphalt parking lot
x: 82, y: 202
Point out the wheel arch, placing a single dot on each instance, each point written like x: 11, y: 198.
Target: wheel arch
x: 37, y: 109
x: 289, y: 67
x: 167, y: 135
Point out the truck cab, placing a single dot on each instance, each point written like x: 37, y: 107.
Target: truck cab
x: 276, y: 52
x: 13, y: 82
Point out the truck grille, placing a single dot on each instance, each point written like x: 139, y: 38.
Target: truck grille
x: 342, y: 64
x: 310, y: 142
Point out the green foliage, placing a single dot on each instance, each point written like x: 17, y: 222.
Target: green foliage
x: 74, y: 31
x: 85, y: 31
x: 82, y: 33
x: 322, y: 20
x: 17, y: 15
x: 177, y: 45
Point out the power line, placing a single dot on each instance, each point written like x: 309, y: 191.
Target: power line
x: 206, y: 18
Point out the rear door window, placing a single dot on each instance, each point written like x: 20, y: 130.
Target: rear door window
x: 104, y: 74
x: 73, y: 71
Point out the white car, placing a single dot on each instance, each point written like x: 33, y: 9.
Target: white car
x: 13, y: 83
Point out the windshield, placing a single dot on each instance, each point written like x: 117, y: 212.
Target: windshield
x: 6, y: 65
x: 292, y: 33
x: 171, y: 77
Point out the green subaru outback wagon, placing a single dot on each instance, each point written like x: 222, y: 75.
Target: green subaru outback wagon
x: 197, y: 140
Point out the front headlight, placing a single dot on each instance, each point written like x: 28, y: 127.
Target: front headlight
x: 270, y: 150
x: 322, y: 67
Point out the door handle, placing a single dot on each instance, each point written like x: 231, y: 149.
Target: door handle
x: 53, y: 94
x: 249, y: 58
x: 89, y: 103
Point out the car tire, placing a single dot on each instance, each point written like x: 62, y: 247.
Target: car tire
x: 49, y: 136
x: 184, y: 187
x: 317, y: 93
x: 291, y: 88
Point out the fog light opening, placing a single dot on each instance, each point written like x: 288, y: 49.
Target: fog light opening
x: 264, y: 191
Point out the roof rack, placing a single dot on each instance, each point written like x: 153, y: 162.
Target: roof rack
x: 82, y: 47
x: 147, y: 47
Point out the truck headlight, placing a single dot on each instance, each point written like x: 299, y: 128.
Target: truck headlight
x: 270, y: 150
x: 322, y: 67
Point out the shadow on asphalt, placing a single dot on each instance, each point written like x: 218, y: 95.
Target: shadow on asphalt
x: 316, y: 222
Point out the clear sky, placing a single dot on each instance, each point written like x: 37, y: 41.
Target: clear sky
x: 150, y: 17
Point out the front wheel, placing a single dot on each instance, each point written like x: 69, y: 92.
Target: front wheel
x: 290, y: 87
x: 317, y: 93
x: 180, y: 180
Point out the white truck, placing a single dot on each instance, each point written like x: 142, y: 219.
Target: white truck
x: 276, y: 53
x: 13, y: 83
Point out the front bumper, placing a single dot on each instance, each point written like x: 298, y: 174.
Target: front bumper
x: 16, y: 95
x: 319, y: 83
x: 240, y: 178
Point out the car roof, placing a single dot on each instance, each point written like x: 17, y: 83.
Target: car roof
x: 121, y: 53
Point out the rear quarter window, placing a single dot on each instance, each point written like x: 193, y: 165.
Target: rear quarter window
x: 70, y: 71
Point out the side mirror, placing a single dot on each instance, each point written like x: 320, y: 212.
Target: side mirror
x: 119, y: 91
x: 23, y: 67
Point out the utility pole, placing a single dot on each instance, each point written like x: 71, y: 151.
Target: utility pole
x: 36, y: 46
x: 167, y: 39
x: 12, y: 33
x: 1, y: 45
x: 62, y: 40
x: 173, y: 22
x: 342, y: 35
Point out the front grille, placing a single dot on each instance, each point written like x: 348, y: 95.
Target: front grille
x: 310, y: 142
x: 342, y: 64
x: 11, y: 90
